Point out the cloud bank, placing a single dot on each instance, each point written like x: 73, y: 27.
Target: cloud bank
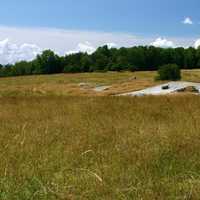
x: 61, y: 40
x: 11, y: 53
x: 26, y: 43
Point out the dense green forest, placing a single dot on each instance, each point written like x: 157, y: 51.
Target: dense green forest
x: 104, y: 59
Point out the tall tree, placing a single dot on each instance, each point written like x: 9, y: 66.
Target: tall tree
x: 47, y: 63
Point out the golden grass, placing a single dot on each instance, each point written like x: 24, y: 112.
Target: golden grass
x: 63, y: 141
x: 69, y: 84
x: 99, y: 148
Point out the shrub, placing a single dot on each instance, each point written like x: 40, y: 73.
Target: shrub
x: 169, y: 72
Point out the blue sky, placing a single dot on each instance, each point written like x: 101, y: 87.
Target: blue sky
x: 141, y: 17
x: 76, y: 25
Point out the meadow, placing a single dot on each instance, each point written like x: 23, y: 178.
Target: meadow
x: 57, y: 146
x: 69, y: 84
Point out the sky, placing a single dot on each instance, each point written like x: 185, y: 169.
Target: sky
x: 66, y: 26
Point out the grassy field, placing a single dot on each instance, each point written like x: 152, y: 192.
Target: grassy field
x: 100, y: 148
x: 78, y: 146
x: 69, y: 84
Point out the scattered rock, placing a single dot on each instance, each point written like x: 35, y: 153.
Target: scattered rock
x: 85, y: 85
x: 101, y: 88
x: 132, y: 78
x: 189, y: 89
x: 165, y: 87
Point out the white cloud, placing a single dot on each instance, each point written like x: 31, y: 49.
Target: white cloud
x: 11, y: 52
x: 85, y: 47
x: 164, y: 43
x: 197, y: 43
x: 61, y: 40
x: 25, y: 43
x: 188, y: 21
x: 112, y: 45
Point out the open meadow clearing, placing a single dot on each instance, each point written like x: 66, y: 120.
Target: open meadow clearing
x: 100, y: 100
x: 60, y: 146
x: 84, y: 84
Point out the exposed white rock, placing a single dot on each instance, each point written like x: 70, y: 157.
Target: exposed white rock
x: 171, y: 87
x: 101, y: 88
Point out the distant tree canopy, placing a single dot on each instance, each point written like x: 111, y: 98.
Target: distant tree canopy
x: 104, y: 59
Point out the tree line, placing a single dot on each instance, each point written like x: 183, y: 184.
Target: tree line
x: 139, y: 58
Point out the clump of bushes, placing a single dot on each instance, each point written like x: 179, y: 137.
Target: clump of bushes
x: 169, y: 72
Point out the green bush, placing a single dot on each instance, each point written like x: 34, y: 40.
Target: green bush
x: 169, y: 72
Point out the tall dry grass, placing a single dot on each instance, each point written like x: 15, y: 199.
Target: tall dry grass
x: 69, y: 84
x: 99, y: 148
